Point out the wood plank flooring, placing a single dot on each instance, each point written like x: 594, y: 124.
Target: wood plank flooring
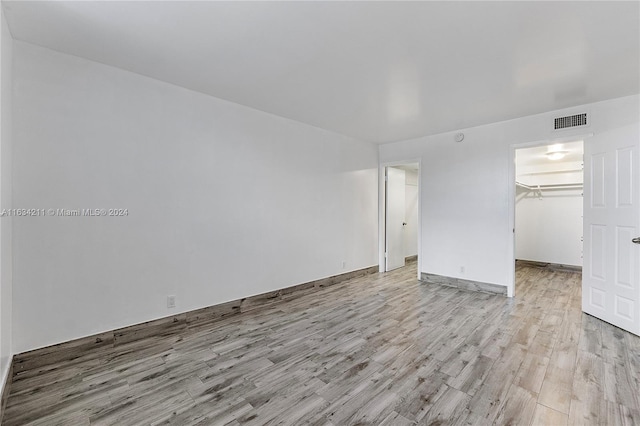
x: 381, y: 349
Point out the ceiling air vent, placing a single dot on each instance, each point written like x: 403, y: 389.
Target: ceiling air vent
x: 570, y: 121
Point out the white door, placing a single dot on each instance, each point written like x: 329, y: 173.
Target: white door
x: 395, y: 209
x: 611, y: 271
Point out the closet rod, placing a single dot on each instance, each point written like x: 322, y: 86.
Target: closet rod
x: 550, y: 186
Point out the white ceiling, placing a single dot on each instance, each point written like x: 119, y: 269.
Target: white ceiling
x: 411, y: 167
x: 377, y: 71
x: 533, y: 166
x: 536, y: 157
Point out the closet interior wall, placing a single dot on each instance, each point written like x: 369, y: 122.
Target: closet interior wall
x: 549, y: 207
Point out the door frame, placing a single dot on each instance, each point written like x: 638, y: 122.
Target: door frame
x: 382, y: 203
x: 511, y: 196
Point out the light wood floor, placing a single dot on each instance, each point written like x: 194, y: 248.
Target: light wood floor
x: 382, y: 349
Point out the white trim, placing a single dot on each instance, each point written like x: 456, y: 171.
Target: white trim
x: 5, y: 382
x: 381, y: 211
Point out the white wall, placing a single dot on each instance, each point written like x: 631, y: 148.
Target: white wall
x: 6, y: 55
x: 466, y: 188
x: 411, y: 216
x: 224, y: 201
x: 549, y: 229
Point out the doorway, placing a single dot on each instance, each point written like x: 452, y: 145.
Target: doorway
x: 399, y: 244
x: 548, y: 226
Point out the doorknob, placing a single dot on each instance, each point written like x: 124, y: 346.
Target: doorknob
x: 636, y: 240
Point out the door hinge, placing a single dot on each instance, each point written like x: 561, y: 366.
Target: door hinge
x: 385, y: 254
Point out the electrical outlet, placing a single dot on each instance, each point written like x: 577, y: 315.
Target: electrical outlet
x: 171, y: 302
x: 462, y: 269
x: 344, y: 264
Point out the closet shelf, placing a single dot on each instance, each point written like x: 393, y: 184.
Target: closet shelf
x: 552, y: 172
x: 537, y: 189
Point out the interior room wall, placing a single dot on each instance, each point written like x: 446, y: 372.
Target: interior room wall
x: 466, y: 187
x: 223, y: 201
x: 6, y: 58
x: 411, y: 217
x: 549, y: 228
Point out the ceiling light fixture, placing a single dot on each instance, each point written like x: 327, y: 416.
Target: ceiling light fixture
x: 556, y: 155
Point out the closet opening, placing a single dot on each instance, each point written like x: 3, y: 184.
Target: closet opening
x: 549, y: 204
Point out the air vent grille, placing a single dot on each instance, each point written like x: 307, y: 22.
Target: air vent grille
x: 570, y: 121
